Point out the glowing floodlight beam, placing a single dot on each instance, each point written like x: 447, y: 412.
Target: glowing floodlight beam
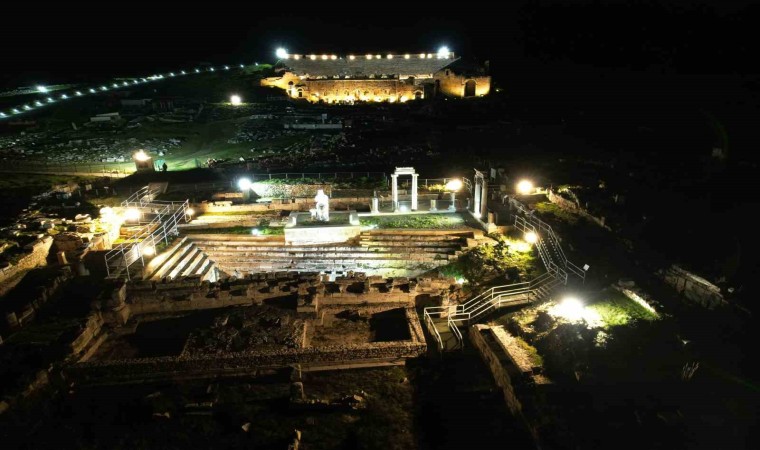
x: 50, y: 99
x: 79, y: 92
x: 16, y: 111
x: 407, y: 56
x: 235, y: 100
x: 141, y: 156
x: 454, y: 185
x: 351, y: 57
x: 42, y: 89
x: 2, y: 114
x: 443, y: 52
x: 149, y: 250
x: 241, y: 66
x: 389, y: 56
x: 132, y: 214
x: 92, y: 91
x: 333, y: 57
x: 525, y: 187
x: 103, y: 88
x: 27, y: 107
x: 64, y: 96
x: 183, y: 72
x: 115, y: 85
x: 226, y: 67
x: 570, y: 308
x: 124, y: 83
x: 212, y: 69
x: 281, y: 53
x: 190, y: 211
x: 197, y: 70
x: 171, y: 74
x: 531, y: 237
x: 244, y: 184
x: 38, y: 103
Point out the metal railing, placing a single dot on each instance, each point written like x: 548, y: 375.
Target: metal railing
x: 493, y: 298
x: 166, y: 217
x: 557, y: 268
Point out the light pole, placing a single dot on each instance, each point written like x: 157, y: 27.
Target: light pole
x: 453, y: 186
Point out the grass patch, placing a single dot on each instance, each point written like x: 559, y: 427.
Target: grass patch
x: 263, y: 231
x: 615, y: 309
x: 421, y: 221
x: 531, y: 351
x: 555, y: 212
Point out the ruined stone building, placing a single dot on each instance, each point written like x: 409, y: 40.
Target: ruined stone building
x: 378, y: 78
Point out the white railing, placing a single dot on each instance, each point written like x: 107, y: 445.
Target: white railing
x: 557, y: 267
x: 166, y: 217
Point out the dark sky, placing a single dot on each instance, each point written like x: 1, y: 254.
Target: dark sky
x: 42, y: 43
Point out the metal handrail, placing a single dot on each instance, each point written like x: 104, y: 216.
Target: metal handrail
x: 167, y: 216
x: 431, y: 325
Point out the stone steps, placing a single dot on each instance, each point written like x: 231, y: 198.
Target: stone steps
x: 359, y: 252
x: 184, y: 259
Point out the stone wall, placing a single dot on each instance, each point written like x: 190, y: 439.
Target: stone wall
x: 693, y: 287
x: 19, y: 312
x: 37, y: 256
x: 572, y: 206
x: 453, y: 85
x: 310, y: 290
x: 247, y: 362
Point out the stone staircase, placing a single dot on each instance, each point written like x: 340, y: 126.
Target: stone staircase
x: 375, y: 253
x: 183, y: 259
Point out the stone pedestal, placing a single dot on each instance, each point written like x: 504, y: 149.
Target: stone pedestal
x: 375, y: 205
x: 433, y: 204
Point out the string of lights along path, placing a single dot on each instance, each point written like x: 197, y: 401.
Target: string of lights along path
x: 48, y: 98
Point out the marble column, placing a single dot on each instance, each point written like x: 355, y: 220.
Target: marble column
x: 414, y: 191
x: 484, y: 200
x: 476, y: 197
x: 394, y: 192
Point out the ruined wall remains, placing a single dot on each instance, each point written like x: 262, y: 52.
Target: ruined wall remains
x: 37, y: 253
x: 453, y: 85
x: 573, y: 207
x: 19, y: 312
x: 310, y: 291
x: 693, y: 287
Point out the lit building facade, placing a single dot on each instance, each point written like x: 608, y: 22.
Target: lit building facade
x: 378, y: 78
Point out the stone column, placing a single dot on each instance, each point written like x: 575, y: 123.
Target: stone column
x: 433, y: 205
x: 453, y: 205
x: 484, y: 199
x: 414, y: 191
x: 394, y: 192
x: 476, y: 197
x: 375, y: 205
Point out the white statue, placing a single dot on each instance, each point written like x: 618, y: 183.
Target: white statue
x: 323, y: 206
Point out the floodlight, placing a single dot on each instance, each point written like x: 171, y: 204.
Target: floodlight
x: 525, y: 187
x: 244, y: 184
x: 454, y: 185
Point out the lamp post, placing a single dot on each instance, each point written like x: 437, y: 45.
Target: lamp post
x: 245, y: 187
x: 453, y: 186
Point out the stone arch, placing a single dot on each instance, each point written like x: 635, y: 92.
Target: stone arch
x: 300, y: 93
x: 417, y: 95
x: 469, y: 88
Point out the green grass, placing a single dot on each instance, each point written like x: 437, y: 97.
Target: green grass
x: 555, y: 212
x: 421, y: 221
x: 615, y: 309
x: 265, y: 231
x: 531, y: 351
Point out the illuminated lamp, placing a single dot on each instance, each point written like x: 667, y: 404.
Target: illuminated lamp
x: 525, y: 187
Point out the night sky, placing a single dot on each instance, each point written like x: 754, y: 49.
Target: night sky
x: 699, y: 54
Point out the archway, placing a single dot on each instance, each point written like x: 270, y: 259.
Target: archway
x: 469, y: 88
x: 417, y: 95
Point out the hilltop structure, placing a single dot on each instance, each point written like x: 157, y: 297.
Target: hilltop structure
x: 378, y: 78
